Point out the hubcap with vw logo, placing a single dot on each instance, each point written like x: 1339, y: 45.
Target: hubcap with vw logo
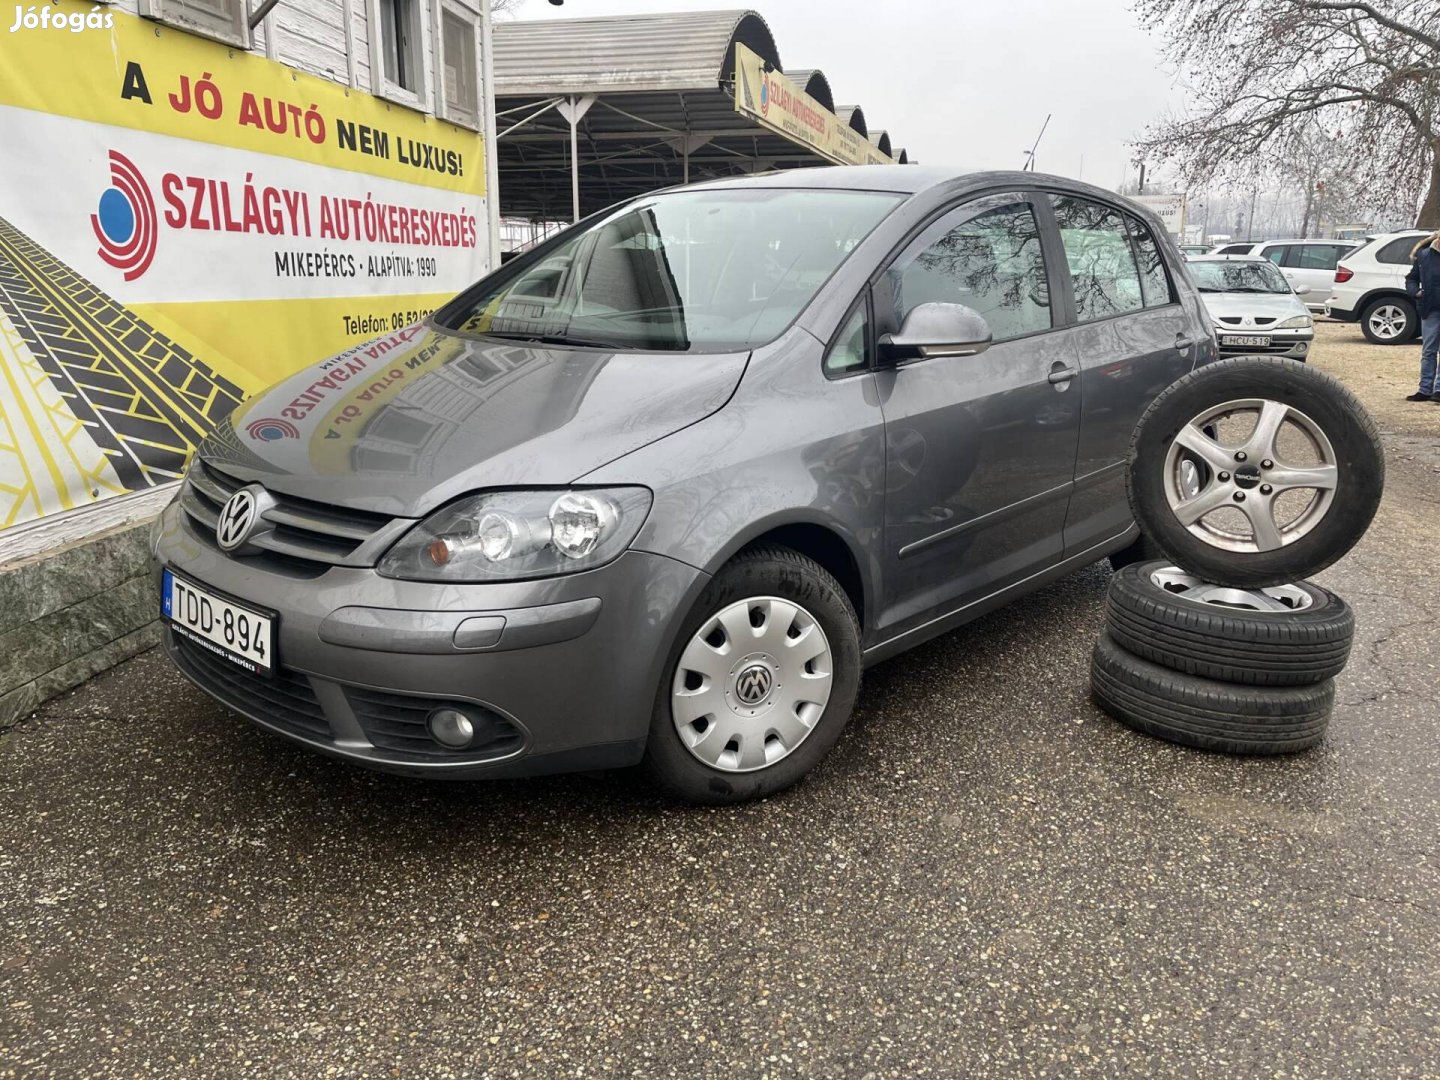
x: 751, y: 684
x: 241, y: 517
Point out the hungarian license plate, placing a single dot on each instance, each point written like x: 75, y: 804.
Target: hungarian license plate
x: 1245, y: 341
x: 240, y: 634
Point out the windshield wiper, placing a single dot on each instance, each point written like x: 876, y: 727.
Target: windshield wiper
x: 554, y: 339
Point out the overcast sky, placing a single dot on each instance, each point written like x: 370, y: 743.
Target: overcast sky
x: 967, y: 82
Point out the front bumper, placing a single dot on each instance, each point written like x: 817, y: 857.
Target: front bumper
x: 566, y: 667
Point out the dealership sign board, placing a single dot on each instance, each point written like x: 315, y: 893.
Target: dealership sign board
x: 777, y: 103
x: 182, y: 223
x: 1170, y: 209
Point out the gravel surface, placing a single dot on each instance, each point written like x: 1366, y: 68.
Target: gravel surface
x: 987, y: 877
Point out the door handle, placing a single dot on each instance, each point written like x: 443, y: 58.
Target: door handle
x: 1182, y: 342
x: 1059, y: 373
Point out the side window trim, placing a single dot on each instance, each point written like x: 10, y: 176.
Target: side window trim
x: 882, y: 303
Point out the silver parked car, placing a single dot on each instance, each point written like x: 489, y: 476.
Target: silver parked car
x: 1255, y: 309
x: 660, y: 488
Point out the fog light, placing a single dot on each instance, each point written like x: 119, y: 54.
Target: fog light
x: 451, y: 728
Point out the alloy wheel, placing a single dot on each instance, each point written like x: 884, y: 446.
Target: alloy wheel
x: 1177, y: 582
x: 1263, y: 483
x: 1388, y: 321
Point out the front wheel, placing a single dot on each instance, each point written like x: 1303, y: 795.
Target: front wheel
x: 1391, y: 320
x: 760, y: 683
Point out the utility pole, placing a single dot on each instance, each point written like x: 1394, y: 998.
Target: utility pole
x: 1142, y: 178
x: 1250, y: 230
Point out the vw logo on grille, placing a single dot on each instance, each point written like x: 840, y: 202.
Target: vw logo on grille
x: 238, y: 518
x: 753, y: 684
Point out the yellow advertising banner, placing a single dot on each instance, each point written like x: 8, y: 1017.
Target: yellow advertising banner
x: 781, y: 106
x: 183, y: 223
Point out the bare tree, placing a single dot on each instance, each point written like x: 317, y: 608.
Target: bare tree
x: 1265, y: 71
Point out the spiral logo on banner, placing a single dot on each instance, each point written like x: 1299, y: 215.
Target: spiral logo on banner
x: 269, y: 429
x: 125, y: 222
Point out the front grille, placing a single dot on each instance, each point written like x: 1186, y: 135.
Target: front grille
x: 285, y: 699
x: 1234, y: 320
x: 306, y: 533
x: 397, y: 722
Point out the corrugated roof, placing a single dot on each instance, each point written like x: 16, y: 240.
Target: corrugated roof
x: 881, y: 138
x: 814, y: 83
x: 690, y: 50
x: 853, y: 117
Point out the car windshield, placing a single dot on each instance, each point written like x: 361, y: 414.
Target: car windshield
x: 688, y: 271
x: 1247, y: 277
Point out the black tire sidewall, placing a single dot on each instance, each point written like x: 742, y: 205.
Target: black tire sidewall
x: 759, y: 572
x: 1339, y: 415
x: 1255, y: 648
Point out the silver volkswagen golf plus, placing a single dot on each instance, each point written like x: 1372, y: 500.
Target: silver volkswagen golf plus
x: 659, y: 489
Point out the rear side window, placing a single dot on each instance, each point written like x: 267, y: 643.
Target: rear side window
x: 1315, y: 256
x: 1154, y: 282
x: 1280, y: 255
x: 990, y: 260
x: 1102, y: 263
x: 1397, y: 252
x: 1235, y: 249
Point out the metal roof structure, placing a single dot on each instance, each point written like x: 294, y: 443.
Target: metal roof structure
x: 595, y: 110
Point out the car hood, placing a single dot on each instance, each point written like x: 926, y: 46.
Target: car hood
x: 404, y: 423
x: 1229, y: 305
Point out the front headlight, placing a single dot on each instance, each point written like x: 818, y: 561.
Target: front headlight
x: 1299, y: 322
x: 512, y: 535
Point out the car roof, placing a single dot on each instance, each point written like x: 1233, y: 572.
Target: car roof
x: 904, y: 179
x: 1307, y: 240
x: 1231, y: 258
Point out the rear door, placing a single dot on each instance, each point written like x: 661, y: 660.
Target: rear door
x: 1132, y: 338
x: 1313, y: 266
x: 980, y: 450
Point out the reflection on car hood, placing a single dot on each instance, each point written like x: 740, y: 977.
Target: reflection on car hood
x: 1278, y: 306
x: 404, y: 423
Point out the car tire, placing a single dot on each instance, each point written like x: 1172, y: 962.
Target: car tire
x: 699, y: 700
x: 1390, y: 320
x: 1191, y: 515
x: 1159, y: 613
x: 1206, y: 714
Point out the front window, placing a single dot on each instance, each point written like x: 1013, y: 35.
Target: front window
x: 1246, y: 277
x: 689, y: 271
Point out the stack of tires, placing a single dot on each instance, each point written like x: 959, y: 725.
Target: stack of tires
x: 1212, y: 638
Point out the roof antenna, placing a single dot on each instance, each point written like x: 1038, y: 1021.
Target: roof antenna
x: 1030, y: 154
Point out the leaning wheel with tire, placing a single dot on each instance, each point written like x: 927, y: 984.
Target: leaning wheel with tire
x: 1204, y: 713
x: 1390, y: 320
x: 1283, y: 635
x: 760, y: 682
x: 1255, y: 471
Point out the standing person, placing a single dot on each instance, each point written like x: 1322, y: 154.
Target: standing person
x: 1423, y: 283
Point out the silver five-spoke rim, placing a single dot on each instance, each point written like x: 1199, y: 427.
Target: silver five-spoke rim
x: 1387, y: 321
x: 751, y: 684
x: 1204, y: 474
x: 1189, y: 587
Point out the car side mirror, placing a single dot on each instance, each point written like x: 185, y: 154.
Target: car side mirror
x: 934, y: 330
x: 1302, y: 290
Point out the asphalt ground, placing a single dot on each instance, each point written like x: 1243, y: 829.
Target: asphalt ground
x: 988, y: 877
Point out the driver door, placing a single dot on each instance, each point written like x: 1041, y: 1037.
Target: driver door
x: 980, y: 450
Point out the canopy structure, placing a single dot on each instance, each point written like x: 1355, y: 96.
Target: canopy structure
x: 592, y: 111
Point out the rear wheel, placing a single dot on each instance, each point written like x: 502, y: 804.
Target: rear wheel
x: 1390, y: 320
x: 761, y: 681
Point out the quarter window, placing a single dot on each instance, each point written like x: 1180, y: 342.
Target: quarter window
x: 849, y: 352
x: 1102, y: 263
x: 1154, y: 282
x: 991, y: 262
x: 1397, y: 252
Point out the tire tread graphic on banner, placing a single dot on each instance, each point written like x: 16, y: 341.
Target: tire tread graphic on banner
x: 145, y: 400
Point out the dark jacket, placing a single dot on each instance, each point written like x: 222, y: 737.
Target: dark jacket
x: 1423, y: 281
